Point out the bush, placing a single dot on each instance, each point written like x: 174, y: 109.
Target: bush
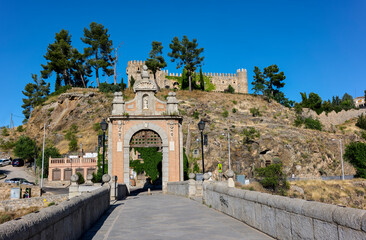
x: 20, y: 128
x: 363, y: 134
x: 356, y: 154
x: 196, y: 114
x: 60, y: 90
x: 272, y: 177
x: 313, y: 123
x: 81, y: 178
x: 299, y: 121
x: 107, y: 88
x: 361, y: 121
x: 234, y: 110
x: 250, y: 134
x: 5, y: 132
x: 230, y: 89
x: 225, y: 114
x: 255, y: 112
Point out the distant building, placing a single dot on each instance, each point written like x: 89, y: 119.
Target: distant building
x: 360, y: 102
x: 61, y: 169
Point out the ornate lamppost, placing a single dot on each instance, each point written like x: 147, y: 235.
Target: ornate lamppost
x: 201, y: 127
x: 104, y: 126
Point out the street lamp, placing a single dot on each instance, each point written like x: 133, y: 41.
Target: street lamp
x: 340, y: 147
x: 201, y: 127
x: 104, y: 126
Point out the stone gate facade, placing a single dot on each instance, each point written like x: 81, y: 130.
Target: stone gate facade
x: 145, y: 113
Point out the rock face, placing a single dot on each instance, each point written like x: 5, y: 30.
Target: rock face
x: 303, y: 152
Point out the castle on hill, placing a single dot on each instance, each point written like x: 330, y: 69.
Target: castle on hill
x: 238, y: 80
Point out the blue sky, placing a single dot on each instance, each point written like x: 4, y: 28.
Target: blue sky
x: 320, y: 45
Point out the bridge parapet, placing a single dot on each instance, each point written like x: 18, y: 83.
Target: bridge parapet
x: 67, y: 220
x: 286, y: 218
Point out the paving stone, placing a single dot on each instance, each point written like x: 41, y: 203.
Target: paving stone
x: 160, y: 216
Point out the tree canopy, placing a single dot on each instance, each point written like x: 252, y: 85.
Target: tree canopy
x: 35, y: 94
x: 98, y: 53
x: 25, y: 148
x: 186, y: 53
x: 269, y: 82
x: 156, y: 61
x: 59, y: 56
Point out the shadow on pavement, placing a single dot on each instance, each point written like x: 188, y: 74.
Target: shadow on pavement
x: 90, y: 233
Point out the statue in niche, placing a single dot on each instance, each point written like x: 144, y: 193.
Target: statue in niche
x: 145, y: 102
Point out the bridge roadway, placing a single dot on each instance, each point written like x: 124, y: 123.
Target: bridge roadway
x: 160, y: 216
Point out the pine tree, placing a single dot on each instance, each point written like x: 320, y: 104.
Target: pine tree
x: 202, y: 82
x: 156, y: 61
x: 186, y: 54
x: 99, y: 51
x: 58, y: 56
x: 35, y: 94
x: 80, y: 69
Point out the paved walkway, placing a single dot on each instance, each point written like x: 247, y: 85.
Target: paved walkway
x: 161, y: 216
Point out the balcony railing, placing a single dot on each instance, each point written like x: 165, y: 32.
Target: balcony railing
x: 67, y: 161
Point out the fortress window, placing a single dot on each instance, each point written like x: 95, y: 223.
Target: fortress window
x: 234, y: 82
x: 222, y: 81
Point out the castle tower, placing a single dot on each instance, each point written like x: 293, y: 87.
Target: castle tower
x: 242, y: 80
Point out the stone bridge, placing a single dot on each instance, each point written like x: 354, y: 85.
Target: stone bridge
x: 189, y: 209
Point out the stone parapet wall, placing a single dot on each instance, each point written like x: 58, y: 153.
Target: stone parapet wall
x: 68, y: 220
x: 178, y: 188
x: 287, y: 218
x: 16, y: 204
x: 333, y: 118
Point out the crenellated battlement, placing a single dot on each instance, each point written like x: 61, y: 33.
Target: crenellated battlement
x: 237, y: 80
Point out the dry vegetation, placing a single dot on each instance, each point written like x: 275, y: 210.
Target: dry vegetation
x: 10, y: 215
x: 350, y: 193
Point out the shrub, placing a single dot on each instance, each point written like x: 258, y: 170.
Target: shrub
x: 250, y: 134
x: 272, y: 177
x: 234, y: 110
x: 235, y: 102
x: 60, y: 90
x: 255, y: 112
x: 363, y: 134
x: 96, y: 127
x: 5, y: 132
x: 20, y: 128
x: 225, y: 114
x: 107, y: 88
x: 81, y: 178
x: 313, y: 123
x: 356, y: 154
x: 299, y: 121
x: 230, y: 89
x: 361, y: 121
x: 196, y: 114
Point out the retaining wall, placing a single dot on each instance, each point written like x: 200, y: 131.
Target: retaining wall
x: 16, y: 204
x: 287, y: 218
x: 68, y: 220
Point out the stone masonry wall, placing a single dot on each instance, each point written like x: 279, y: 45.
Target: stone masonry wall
x: 287, y: 218
x: 68, y: 220
x: 16, y: 204
x: 237, y: 80
x: 333, y: 118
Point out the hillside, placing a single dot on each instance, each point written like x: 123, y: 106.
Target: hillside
x: 303, y: 152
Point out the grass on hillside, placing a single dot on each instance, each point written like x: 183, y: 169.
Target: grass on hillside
x: 10, y: 215
x: 350, y: 193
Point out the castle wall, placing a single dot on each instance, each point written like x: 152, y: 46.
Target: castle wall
x: 238, y: 80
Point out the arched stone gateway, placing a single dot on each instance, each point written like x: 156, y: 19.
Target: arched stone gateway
x: 145, y: 113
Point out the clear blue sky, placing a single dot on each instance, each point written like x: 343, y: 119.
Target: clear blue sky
x: 320, y: 45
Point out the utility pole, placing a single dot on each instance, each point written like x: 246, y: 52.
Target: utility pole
x: 44, y: 135
x: 228, y: 139
x: 340, y: 146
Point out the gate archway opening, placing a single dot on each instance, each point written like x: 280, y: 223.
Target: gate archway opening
x: 146, y: 159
